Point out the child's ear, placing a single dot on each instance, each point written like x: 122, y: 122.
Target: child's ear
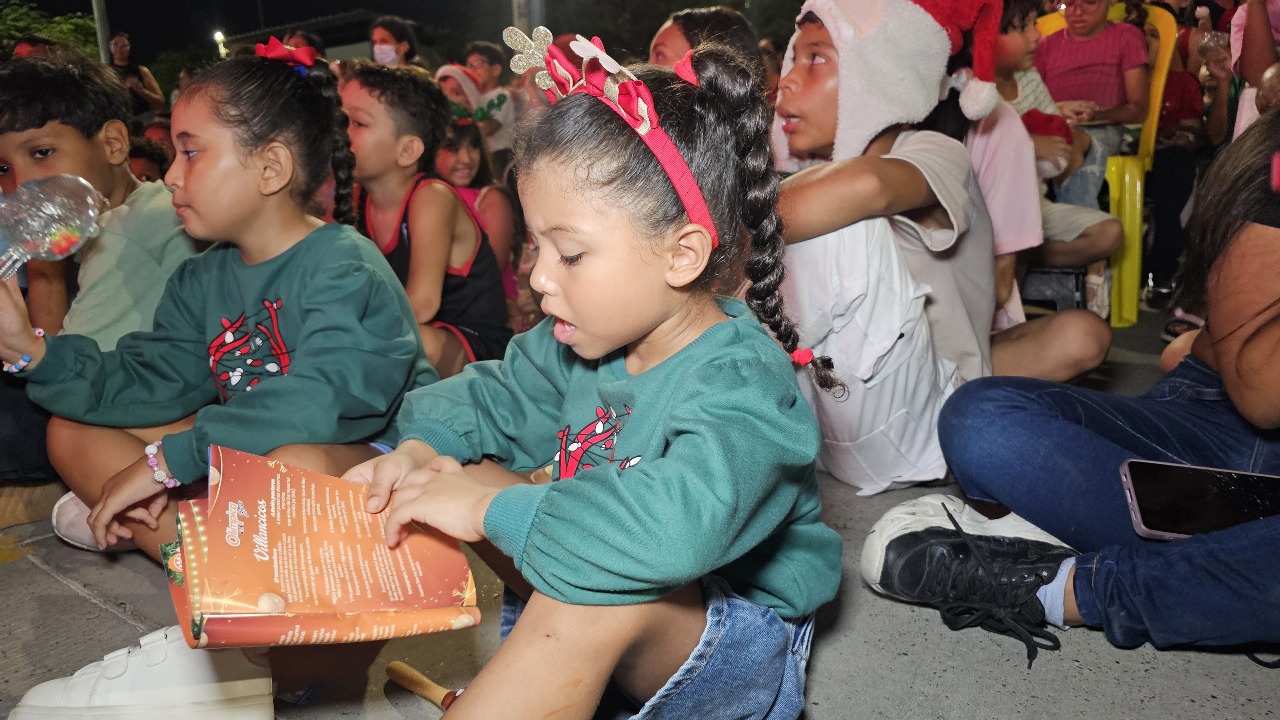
x: 688, y: 255
x: 409, y: 149
x: 114, y: 136
x: 275, y: 165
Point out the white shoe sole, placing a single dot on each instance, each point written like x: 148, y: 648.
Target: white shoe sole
x: 248, y: 708
x: 927, y: 512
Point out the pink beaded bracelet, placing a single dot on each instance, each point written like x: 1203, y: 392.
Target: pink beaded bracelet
x: 25, y: 360
x: 153, y: 462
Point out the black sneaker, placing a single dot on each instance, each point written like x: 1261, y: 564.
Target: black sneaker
x: 937, y: 551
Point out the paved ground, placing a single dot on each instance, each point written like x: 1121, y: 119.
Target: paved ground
x: 873, y: 658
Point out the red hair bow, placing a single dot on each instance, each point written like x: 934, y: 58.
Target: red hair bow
x: 276, y: 50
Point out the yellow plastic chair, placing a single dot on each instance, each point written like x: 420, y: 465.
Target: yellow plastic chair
x: 1126, y: 174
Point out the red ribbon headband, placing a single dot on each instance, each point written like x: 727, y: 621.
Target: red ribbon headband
x: 276, y: 50
x: 602, y: 77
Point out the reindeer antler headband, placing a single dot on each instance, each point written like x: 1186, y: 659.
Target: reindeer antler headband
x: 602, y: 77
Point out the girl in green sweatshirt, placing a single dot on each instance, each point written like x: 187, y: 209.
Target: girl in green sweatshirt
x: 290, y: 338
x: 679, y: 552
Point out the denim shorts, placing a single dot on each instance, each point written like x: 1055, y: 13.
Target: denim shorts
x: 749, y: 664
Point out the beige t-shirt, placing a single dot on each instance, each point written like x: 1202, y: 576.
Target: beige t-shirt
x: 124, y: 270
x: 957, y: 264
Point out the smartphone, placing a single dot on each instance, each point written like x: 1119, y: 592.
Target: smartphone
x: 1168, y: 501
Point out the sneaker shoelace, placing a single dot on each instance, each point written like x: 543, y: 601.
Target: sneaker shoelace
x: 1000, y: 607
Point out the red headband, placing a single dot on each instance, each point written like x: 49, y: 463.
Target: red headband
x: 602, y: 77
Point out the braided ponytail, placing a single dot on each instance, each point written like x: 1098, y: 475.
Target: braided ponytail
x: 729, y: 97
x: 342, y: 163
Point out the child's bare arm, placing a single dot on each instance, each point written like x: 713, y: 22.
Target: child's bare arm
x: 47, y: 294
x: 1137, y: 84
x: 433, y: 214
x: 1257, y: 49
x: 823, y: 199
x: 1006, y: 277
x: 499, y: 223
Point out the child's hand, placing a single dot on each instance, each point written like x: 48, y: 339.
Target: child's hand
x: 1078, y: 110
x: 1051, y: 148
x: 443, y: 496
x: 1220, y: 67
x: 383, y: 474
x: 133, y: 493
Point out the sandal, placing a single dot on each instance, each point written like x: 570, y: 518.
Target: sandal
x: 1182, y: 323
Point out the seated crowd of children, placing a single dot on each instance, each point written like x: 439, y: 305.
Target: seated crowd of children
x: 739, y: 271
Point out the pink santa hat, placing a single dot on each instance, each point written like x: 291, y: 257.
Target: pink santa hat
x: 892, y: 65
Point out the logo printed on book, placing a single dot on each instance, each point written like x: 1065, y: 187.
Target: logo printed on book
x: 235, y: 526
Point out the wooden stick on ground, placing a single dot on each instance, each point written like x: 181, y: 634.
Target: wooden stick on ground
x: 421, y: 685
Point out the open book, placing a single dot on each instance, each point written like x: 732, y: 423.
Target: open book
x: 282, y: 556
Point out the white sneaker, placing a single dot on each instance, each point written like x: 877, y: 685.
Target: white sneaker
x: 927, y: 512
x: 160, y: 679
x: 70, y: 519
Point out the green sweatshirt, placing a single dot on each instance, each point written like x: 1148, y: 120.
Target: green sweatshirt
x: 317, y: 345
x: 703, y: 464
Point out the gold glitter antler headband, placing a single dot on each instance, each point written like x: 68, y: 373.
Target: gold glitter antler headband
x: 602, y: 77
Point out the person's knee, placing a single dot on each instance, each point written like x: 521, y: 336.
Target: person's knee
x: 298, y: 455
x: 1087, y: 340
x: 62, y: 438
x: 1106, y: 237
x: 968, y: 407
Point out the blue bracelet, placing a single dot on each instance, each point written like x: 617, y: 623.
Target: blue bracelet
x: 25, y: 360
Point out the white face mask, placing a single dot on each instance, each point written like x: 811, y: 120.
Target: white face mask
x: 385, y: 54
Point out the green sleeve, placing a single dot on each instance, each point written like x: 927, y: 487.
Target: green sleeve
x: 735, y: 465
x: 151, y: 378
x: 507, y: 409
x: 355, y: 357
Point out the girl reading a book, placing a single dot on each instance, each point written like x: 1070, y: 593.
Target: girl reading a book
x: 682, y: 533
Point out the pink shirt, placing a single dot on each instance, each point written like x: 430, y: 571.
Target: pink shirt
x: 1237, y: 29
x: 1004, y: 161
x: 1094, y: 68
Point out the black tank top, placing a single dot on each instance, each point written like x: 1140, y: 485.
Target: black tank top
x: 133, y: 70
x: 472, y: 295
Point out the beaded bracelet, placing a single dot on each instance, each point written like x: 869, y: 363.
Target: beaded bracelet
x: 153, y: 462
x: 25, y: 360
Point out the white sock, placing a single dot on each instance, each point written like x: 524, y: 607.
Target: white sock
x: 1052, y: 595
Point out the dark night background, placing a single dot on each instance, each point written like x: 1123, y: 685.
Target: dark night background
x: 156, y: 25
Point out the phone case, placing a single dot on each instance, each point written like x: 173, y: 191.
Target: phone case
x: 1135, y: 515
x: 1216, y: 498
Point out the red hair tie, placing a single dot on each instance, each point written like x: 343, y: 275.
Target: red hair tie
x: 1275, y: 172
x: 684, y: 69
x: 802, y: 356
x: 276, y: 50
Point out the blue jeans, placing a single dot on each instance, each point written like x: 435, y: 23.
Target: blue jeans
x: 749, y: 664
x: 23, y: 455
x: 1052, y: 454
x: 1083, y: 186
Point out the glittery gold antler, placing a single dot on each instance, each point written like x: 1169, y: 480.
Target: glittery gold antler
x: 530, y: 53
